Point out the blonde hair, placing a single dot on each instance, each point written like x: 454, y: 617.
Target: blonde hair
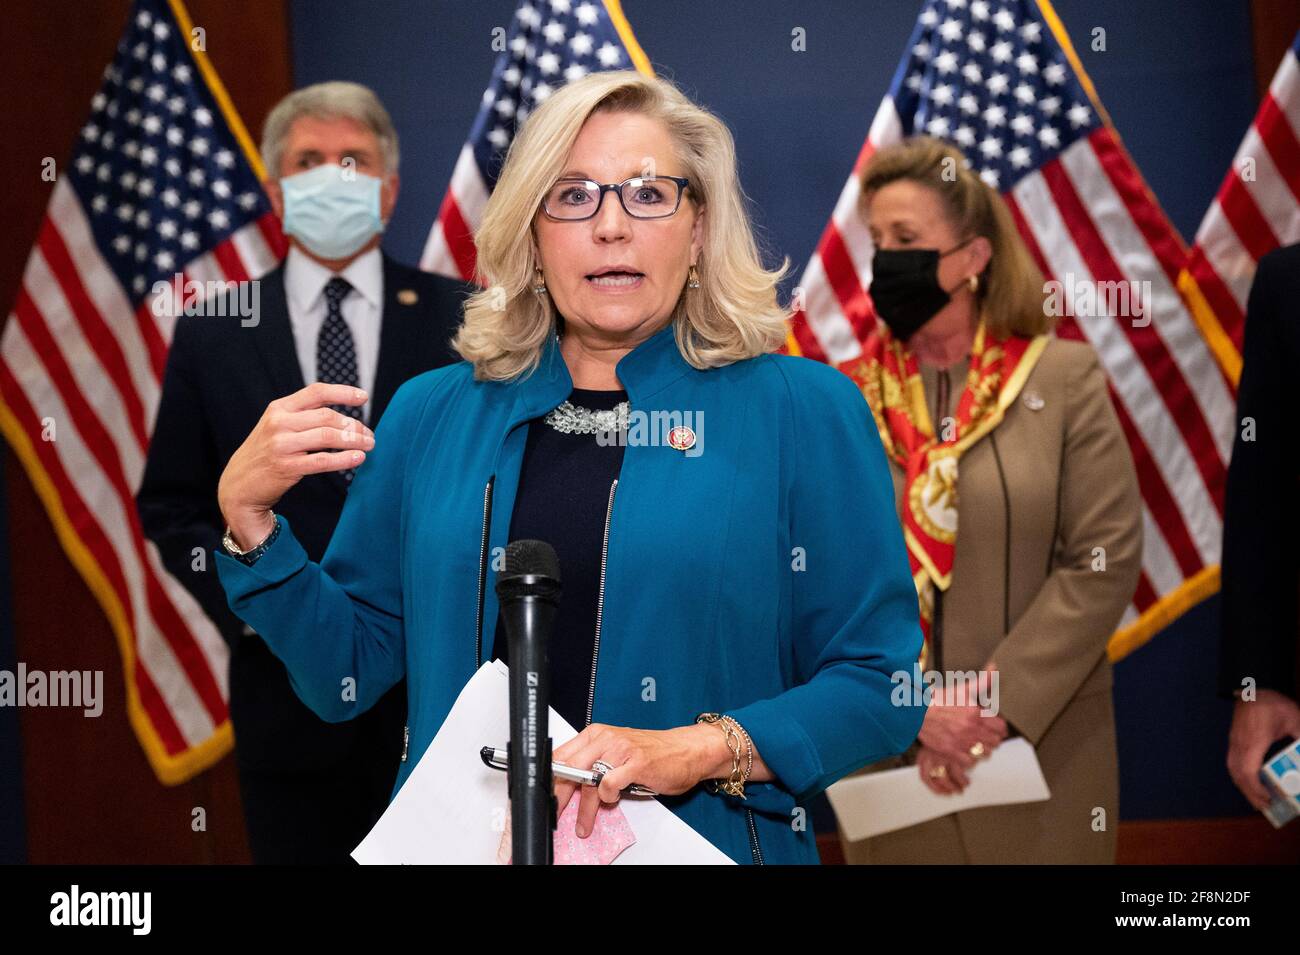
x: 734, y: 313
x: 1010, y: 294
x: 333, y: 100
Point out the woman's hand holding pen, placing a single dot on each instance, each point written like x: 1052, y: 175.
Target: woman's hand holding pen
x: 669, y: 762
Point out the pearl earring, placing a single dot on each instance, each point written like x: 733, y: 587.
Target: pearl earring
x: 693, y: 278
x: 539, y: 282
x: 974, y: 283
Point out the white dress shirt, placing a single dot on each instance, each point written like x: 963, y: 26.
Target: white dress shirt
x: 304, y: 285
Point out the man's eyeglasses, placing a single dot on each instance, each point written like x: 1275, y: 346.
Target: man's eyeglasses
x: 644, y: 197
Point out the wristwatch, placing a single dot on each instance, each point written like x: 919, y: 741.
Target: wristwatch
x: 250, y: 556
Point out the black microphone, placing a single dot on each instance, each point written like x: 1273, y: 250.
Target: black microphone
x: 528, y: 590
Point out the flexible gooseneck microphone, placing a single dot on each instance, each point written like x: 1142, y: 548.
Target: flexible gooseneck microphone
x: 528, y: 590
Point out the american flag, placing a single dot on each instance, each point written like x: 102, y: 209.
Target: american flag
x: 549, y: 43
x: 163, y: 181
x: 1256, y: 210
x: 1000, y: 80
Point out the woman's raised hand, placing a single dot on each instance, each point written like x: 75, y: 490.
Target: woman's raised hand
x: 297, y: 435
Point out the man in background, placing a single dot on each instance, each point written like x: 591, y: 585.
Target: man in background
x: 337, y: 310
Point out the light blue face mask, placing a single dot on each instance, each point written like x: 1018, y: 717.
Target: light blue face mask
x: 332, y: 211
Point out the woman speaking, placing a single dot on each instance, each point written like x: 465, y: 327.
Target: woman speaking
x: 718, y: 622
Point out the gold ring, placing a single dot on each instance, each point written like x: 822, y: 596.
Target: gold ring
x: 938, y: 772
x: 977, y: 750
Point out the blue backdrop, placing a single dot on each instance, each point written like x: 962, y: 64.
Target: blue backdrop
x: 1176, y: 76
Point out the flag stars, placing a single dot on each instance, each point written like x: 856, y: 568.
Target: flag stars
x: 196, y: 177
x: 1027, y: 63
x: 969, y: 104
x: 975, y: 40
x: 540, y: 93
x: 498, y: 137
x: 582, y: 44
x: 942, y: 95
x: 991, y: 147
x: 587, y: 14
x: 1001, y: 51
x: 203, y: 116
x: 90, y: 133
x: 1049, y: 137
x: 609, y: 55
x: 1054, y: 73
x: 950, y: 30
x: 181, y: 73
x: 990, y: 177
x: 1050, y: 106
x: 998, y: 84
x: 1031, y: 32
x: 221, y: 188
x: 575, y: 71
x: 1022, y: 125
x: 247, y: 201
x: 152, y: 125
x: 938, y: 126
x: 192, y: 209
x: 548, y: 63
x: 979, y: 10
x: 1024, y: 94
x: 1079, y: 115
x: 164, y: 260
x: 554, y: 32
x: 1020, y: 157
x: 972, y: 72
x: 218, y: 219
x: 965, y: 136
x: 160, y: 30
x: 171, y: 198
x: 189, y: 240
x: 1003, y: 20
x: 99, y: 204
x: 946, y: 62
x: 225, y: 159
x: 995, y: 116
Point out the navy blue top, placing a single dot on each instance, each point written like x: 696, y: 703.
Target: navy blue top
x: 563, y: 498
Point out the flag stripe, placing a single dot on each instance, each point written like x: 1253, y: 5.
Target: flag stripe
x: 86, y: 424
x: 84, y: 521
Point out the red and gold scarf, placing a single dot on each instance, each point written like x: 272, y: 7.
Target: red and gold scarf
x: 890, y: 379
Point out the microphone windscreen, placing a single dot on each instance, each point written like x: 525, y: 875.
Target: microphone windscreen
x: 530, y: 558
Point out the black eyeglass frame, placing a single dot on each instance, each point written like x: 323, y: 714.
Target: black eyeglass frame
x: 682, y: 183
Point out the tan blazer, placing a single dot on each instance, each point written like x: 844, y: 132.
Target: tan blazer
x: 1072, y: 488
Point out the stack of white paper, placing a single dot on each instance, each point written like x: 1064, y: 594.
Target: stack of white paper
x: 874, y: 803
x: 452, y: 807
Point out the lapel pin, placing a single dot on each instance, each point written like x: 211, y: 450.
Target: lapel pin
x: 408, y: 296
x: 681, y: 438
x: 1034, y: 401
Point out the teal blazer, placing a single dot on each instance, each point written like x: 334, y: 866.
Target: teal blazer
x: 760, y: 573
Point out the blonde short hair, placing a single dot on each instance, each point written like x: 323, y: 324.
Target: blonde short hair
x: 1011, y: 296
x: 734, y: 313
x: 332, y: 100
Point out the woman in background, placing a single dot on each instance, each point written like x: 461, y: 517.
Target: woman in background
x: 1020, y: 509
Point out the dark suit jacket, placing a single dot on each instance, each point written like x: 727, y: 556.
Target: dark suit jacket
x: 1261, y: 540
x: 220, y: 377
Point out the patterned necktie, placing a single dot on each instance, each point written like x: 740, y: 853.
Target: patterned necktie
x: 336, y: 354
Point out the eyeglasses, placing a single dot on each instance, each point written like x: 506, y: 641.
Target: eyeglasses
x: 644, y: 197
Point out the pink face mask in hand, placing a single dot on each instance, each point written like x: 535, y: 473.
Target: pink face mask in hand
x: 610, y: 835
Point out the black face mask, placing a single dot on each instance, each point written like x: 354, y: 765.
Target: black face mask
x: 905, y: 287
